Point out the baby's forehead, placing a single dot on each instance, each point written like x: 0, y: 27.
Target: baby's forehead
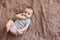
x: 28, y: 9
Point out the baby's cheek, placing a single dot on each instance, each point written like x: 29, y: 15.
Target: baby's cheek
x: 28, y: 16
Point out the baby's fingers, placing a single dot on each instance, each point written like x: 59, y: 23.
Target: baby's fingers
x: 20, y: 32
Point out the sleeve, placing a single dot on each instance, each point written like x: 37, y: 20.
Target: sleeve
x: 28, y: 21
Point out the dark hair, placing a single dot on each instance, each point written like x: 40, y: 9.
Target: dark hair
x: 29, y: 7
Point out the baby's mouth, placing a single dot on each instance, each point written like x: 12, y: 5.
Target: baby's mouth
x: 25, y: 16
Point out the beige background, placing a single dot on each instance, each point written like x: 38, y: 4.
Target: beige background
x: 45, y: 23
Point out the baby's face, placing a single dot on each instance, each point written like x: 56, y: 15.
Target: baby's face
x: 28, y: 12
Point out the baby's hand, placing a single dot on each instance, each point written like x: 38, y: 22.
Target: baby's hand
x: 20, y: 31
x: 20, y: 16
x: 24, y: 17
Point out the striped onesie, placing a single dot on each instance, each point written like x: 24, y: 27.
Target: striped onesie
x: 20, y: 23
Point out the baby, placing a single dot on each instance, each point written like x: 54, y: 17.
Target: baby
x: 22, y: 22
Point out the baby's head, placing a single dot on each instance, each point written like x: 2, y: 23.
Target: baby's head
x: 28, y: 12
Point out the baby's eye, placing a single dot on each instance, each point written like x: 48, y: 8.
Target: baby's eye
x: 25, y: 12
x: 28, y: 13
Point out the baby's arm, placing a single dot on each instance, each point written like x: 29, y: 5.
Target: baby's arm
x: 19, y: 16
x: 25, y: 28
